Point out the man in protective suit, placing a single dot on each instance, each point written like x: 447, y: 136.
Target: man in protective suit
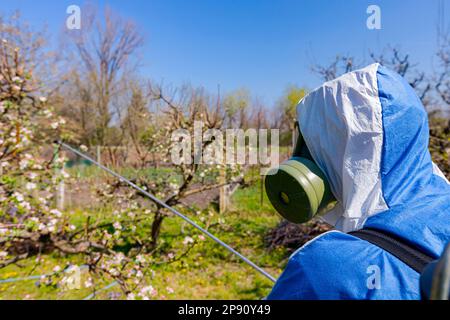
x: 367, y: 131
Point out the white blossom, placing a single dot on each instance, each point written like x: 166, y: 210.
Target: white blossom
x: 117, y: 225
x: 23, y: 164
x: 140, y: 258
x: 48, y: 113
x: 30, y: 186
x: 17, y: 79
x: 19, y: 197
x: 114, y: 272
x: 149, y: 290
x: 88, y: 283
x: 188, y: 240
x: 56, y: 212
x: 32, y: 175
x: 26, y: 205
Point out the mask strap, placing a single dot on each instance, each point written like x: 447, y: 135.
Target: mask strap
x: 299, y: 143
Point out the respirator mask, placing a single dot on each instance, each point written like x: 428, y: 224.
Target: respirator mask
x: 298, y: 189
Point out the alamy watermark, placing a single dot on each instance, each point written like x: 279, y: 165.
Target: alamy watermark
x: 374, y: 279
x: 373, y: 22
x: 226, y: 147
x: 72, y: 279
x: 73, y: 21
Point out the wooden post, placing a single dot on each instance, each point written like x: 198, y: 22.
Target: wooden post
x: 294, y: 138
x: 60, y: 200
x: 59, y: 192
x: 99, y: 160
x: 223, y: 201
x: 99, y: 154
x: 261, y: 199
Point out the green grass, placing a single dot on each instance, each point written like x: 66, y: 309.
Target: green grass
x: 207, y: 272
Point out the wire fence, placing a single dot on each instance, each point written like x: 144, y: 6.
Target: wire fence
x: 39, y: 276
x: 47, y: 275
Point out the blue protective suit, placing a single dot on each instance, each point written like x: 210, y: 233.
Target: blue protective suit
x: 368, y: 131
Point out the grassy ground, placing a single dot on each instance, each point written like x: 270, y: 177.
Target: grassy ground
x: 207, y: 272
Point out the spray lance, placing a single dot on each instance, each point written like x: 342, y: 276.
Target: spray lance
x: 164, y: 205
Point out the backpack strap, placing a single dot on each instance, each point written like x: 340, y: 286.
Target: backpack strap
x: 409, y: 255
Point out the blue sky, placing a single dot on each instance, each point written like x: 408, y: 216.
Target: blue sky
x: 257, y: 44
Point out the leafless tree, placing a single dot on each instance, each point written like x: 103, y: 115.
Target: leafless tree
x: 138, y: 123
x: 442, y: 83
x: 105, y: 47
x: 401, y: 64
x: 340, y: 65
x: 390, y: 57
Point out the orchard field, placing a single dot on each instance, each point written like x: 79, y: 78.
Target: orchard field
x: 203, y: 271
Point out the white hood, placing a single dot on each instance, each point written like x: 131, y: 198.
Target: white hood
x: 341, y: 122
x: 342, y: 125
